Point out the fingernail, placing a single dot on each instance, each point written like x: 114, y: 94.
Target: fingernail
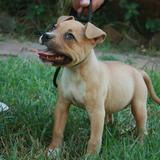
x: 86, y: 2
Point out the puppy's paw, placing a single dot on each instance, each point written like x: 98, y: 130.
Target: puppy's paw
x: 109, y: 119
x: 53, y: 153
x: 90, y: 156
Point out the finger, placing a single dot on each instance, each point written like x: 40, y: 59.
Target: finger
x: 96, y: 4
x: 76, y: 4
x: 80, y: 10
x: 84, y: 3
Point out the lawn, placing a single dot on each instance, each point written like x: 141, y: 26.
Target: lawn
x: 26, y: 128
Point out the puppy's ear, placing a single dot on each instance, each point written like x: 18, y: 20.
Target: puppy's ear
x: 64, y: 18
x: 94, y: 33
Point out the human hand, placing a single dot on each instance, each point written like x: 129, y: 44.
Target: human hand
x: 79, y: 4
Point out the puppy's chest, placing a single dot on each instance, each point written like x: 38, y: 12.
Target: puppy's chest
x: 74, y: 88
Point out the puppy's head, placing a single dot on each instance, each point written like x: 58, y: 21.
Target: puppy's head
x: 69, y: 42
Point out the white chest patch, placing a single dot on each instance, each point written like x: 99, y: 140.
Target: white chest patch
x: 74, y: 87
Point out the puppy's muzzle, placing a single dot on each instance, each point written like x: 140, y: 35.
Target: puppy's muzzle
x: 45, y: 38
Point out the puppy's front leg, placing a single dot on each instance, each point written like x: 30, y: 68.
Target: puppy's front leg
x: 61, y: 117
x: 97, y: 117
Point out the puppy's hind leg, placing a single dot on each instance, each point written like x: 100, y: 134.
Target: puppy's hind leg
x: 139, y: 111
x: 109, y: 118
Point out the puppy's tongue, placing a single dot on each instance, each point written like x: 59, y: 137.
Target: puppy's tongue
x: 44, y: 52
x: 50, y: 56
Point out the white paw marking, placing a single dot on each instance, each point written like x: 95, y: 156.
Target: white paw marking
x: 52, y: 153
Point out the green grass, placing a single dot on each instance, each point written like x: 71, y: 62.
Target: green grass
x: 26, y: 128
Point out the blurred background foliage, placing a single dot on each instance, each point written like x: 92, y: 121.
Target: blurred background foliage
x: 32, y: 18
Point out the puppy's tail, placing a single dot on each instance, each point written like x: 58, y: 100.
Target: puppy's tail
x: 150, y: 86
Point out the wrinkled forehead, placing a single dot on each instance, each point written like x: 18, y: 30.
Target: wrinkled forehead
x: 71, y: 25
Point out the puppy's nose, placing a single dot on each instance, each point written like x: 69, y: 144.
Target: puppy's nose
x: 46, y: 37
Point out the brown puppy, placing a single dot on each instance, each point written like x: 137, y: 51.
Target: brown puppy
x: 102, y: 88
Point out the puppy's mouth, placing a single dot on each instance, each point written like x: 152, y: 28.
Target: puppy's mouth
x: 55, y: 58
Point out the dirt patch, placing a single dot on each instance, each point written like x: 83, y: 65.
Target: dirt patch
x: 10, y: 47
x: 138, y: 61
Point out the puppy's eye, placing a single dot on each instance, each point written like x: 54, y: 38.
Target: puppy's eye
x: 52, y: 29
x: 69, y: 36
